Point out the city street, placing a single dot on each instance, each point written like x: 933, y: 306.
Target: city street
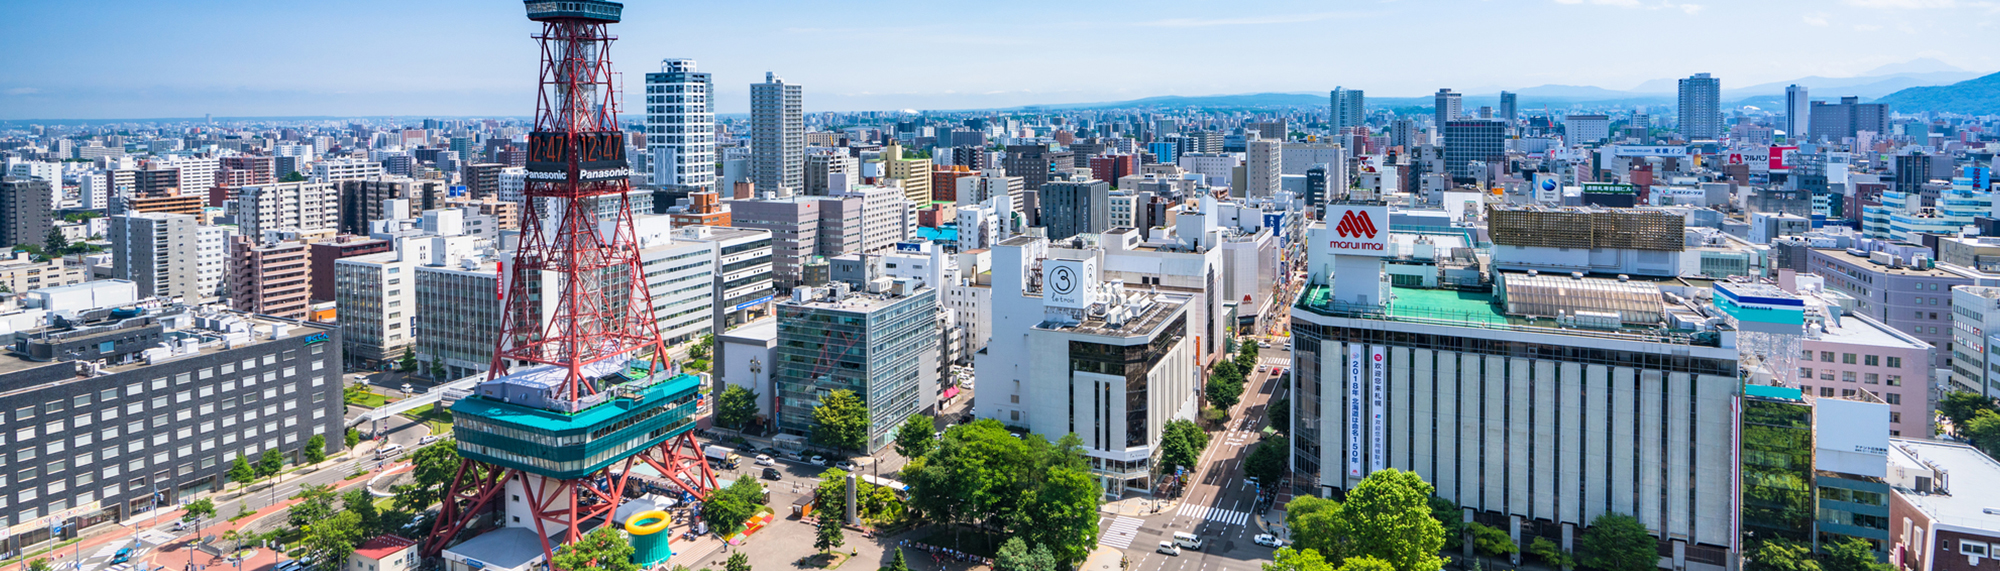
x: 1218, y: 502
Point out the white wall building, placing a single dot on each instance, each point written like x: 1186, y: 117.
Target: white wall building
x: 680, y: 128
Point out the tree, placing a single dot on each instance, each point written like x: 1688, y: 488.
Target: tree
x: 1294, y: 559
x: 739, y: 561
x: 55, y: 243
x: 240, y: 471
x: 897, y: 564
x: 727, y: 508
x: 1492, y: 541
x: 293, y: 176
x: 1452, y: 518
x: 437, y: 369
x: 1315, y: 524
x: 735, y: 406
x: 915, y: 437
x: 317, y: 505
x: 829, y: 535
x: 1983, y: 431
x: 840, y: 421
x: 1388, y: 516
x: 1959, y: 407
x: 1551, y: 553
x: 1618, y: 542
x: 1280, y: 414
x: 1267, y: 462
x: 330, y: 540
x: 1246, y: 356
x: 981, y: 474
x: 1226, y: 369
x: 1850, y: 554
x: 270, y: 463
x: 432, y: 468
x: 1223, y: 392
x: 198, y: 510
x: 1012, y: 556
x: 1775, y: 554
x: 603, y: 549
x: 40, y: 564
x: 315, y: 450
x: 361, y: 503
x: 703, y: 348
x: 1181, y: 444
x: 1365, y: 563
x: 831, y: 493
x: 408, y: 363
x: 353, y: 437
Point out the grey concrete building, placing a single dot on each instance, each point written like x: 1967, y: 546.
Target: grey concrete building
x: 1071, y: 208
x: 157, y: 251
x: 25, y: 211
x: 777, y: 134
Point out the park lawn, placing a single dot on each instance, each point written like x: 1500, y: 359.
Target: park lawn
x: 430, y: 413
x: 367, y: 399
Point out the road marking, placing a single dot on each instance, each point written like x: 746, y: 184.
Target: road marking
x: 1120, y: 533
x: 1216, y: 515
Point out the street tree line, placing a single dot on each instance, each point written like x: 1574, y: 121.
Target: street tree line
x: 980, y: 475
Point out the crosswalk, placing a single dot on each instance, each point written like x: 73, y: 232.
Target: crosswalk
x: 1217, y: 515
x: 1274, y: 361
x: 1120, y: 533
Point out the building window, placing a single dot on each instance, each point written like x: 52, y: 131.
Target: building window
x: 1847, y: 376
x: 1871, y: 378
x: 1897, y: 362
x: 1872, y: 360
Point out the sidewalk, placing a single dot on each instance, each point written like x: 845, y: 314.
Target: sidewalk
x: 182, y: 552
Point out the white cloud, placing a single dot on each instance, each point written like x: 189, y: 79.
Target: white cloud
x: 1815, y: 18
x: 1903, y: 4
x: 23, y: 91
x: 1866, y: 27
x: 1248, y: 21
x: 1637, y: 4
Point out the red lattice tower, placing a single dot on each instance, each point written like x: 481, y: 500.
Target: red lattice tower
x: 591, y: 269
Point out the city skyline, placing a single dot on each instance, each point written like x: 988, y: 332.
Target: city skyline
x: 410, y: 65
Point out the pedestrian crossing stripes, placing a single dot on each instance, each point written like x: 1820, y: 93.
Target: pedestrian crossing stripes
x: 1275, y: 361
x: 1221, y: 516
x: 1120, y: 533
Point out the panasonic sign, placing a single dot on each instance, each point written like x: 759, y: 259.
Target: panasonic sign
x: 1358, y: 230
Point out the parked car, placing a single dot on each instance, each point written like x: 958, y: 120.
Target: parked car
x: 1268, y: 540
x: 817, y: 460
x: 844, y: 465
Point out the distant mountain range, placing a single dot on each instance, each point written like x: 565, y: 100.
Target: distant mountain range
x: 1980, y: 96
x: 1880, y: 82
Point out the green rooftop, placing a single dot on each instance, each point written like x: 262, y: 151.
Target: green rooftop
x: 1458, y: 308
x: 561, y: 445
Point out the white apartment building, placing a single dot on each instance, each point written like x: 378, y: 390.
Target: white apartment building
x: 197, y: 174
x: 1302, y: 156
x: 886, y: 216
x: 337, y: 170
x: 211, y: 249
x: 680, y: 126
x: 304, y: 207
x: 1216, y: 169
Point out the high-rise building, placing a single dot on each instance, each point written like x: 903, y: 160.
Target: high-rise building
x: 270, y: 279
x: 1035, y: 163
x: 482, y: 179
x: 915, y: 174
x: 1404, y: 133
x: 1345, y: 111
x: 1509, y: 107
x: 1446, y: 107
x: 777, y: 135
x: 304, y: 207
x: 157, y: 253
x: 361, y: 201
x: 1262, y: 166
x: 820, y: 168
x: 1468, y: 140
x: 1836, y: 121
x: 882, y: 346
x: 229, y: 385
x: 1586, y: 129
x: 337, y: 170
x: 1798, y: 110
x: 680, y: 126
x: 1076, y: 207
x: 26, y: 211
x: 1701, y: 107
x: 793, y: 224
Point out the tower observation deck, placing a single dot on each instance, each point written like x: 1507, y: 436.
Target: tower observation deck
x: 578, y: 396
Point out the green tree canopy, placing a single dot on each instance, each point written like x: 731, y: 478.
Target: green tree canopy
x: 1959, y: 407
x: 1492, y: 541
x: 1983, y: 431
x: 1224, y: 393
x: 431, y: 471
x: 735, y: 406
x: 315, y: 450
x: 1780, y: 555
x: 1027, y: 487
x: 316, y: 504
x: 740, y: 561
x: 270, y: 463
x: 1451, y: 517
x: 240, y: 471
x: 1181, y: 444
x: 361, y: 503
x: 840, y: 421
x: 603, y: 549
x: 1387, y: 516
x: 1850, y: 554
x: 1267, y: 462
x: 1618, y: 542
x: 897, y: 564
x: 829, y: 533
x: 329, y: 540
x: 915, y: 437
x: 729, y: 507
x: 1365, y: 563
x: 1551, y: 553
x: 1294, y: 559
x: 198, y: 510
x: 353, y: 437
x: 1280, y: 414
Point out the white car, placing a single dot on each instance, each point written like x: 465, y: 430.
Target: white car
x: 765, y: 460
x: 1169, y: 548
x: 1268, y: 540
x: 1264, y: 344
x: 407, y: 387
x: 817, y: 460
x: 844, y: 465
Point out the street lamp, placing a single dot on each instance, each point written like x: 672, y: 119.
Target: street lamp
x: 757, y: 368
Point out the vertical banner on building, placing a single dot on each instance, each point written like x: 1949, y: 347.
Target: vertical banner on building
x: 500, y: 281
x: 1354, y: 365
x: 1378, y: 402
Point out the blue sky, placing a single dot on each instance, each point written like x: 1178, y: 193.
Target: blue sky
x: 131, y: 59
